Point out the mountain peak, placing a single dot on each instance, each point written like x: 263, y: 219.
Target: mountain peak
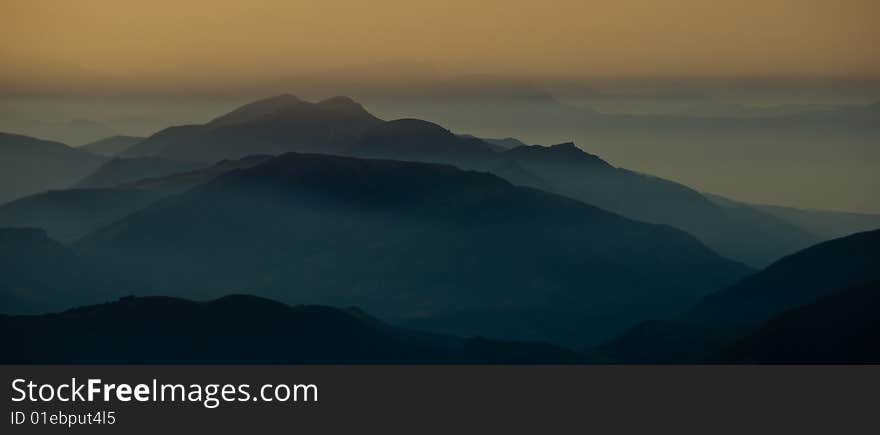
x: 566, y: 152
x: 570, y: 146
x: 411, y: 126
x: 257, y: 109
x: 339, y: 101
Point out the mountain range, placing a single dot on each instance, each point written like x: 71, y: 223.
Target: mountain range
x: 118, y: 171
x: 341, y: 126
x: 270, y: 126
x: 111, y: 146
x: 70, y: 214
x: 325, y: 204
x: 29, y: 165
x: 741, y: 233
x: 448, y: 249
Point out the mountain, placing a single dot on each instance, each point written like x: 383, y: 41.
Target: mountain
x: 29, y: 165
x: 793, y: 281
x: 40, y: 274
x: 764, y: 157
x: 271, y: 126
x: 67, y: 215
x: 120, y: 171
x: 420, y: 141
x: 743, y: 234
x: 842, y: 327
x: 276, y: 124
x: 496, y: 144
x: 179, y: 182
x: 826, y: 224
x: 706, y: 332
x: 111, y: 146
x: 243, y: 329
x: 424, y: 245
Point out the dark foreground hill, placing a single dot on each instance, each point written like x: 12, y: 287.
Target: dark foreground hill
x: 798, y: 304
x: 243, y: 329
x: 793, y: 281
x: 29, y: 165
x: 429, y: 245
x: 842, y: 327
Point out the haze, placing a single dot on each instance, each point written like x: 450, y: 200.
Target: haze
x: 185, y: 45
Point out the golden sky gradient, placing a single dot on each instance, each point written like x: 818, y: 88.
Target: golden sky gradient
x: 94, y: 44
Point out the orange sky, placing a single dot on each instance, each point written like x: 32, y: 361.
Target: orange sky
x: 96, y: 44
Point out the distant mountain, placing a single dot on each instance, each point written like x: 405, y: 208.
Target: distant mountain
x: 793, y: 281
x: 841, y: 327
x: 179, y: 182
x: 420, y: 141
x: 243, y: 329
x: 498, y: 144
x: 271, y: 126
x: 111, y: 146
x: 776, y: 152
x: 341, y: 126
x: 74, y: 132
x: 740, y: 233
x: 40, y: 274
x: 120, y: 171
x: 29, y: 165
x: 827, y: 224
x: 426, y: 244
x: 67, y: 215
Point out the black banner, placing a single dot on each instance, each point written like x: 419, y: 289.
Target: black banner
x: 451, y: 399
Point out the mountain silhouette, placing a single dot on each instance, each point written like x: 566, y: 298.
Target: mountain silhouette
x: 740, y: 233
x: 340, y: 126
x: 111, y: 146
x: 243, y: 330
x: 841, y: 327
x: 425, y: 244
x: 421, y: 141
x: 119, y: 171
x: 271, y: 126
x: 29, y: 165
x: 811, y: 278
x: 179, y: 182
x: 793, y: 281
x: 826, y: 224
x: 40, y: 274
x: 67, y: 215
x: 498, y: 144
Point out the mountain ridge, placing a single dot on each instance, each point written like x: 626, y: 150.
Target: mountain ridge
x: 434, y: 234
